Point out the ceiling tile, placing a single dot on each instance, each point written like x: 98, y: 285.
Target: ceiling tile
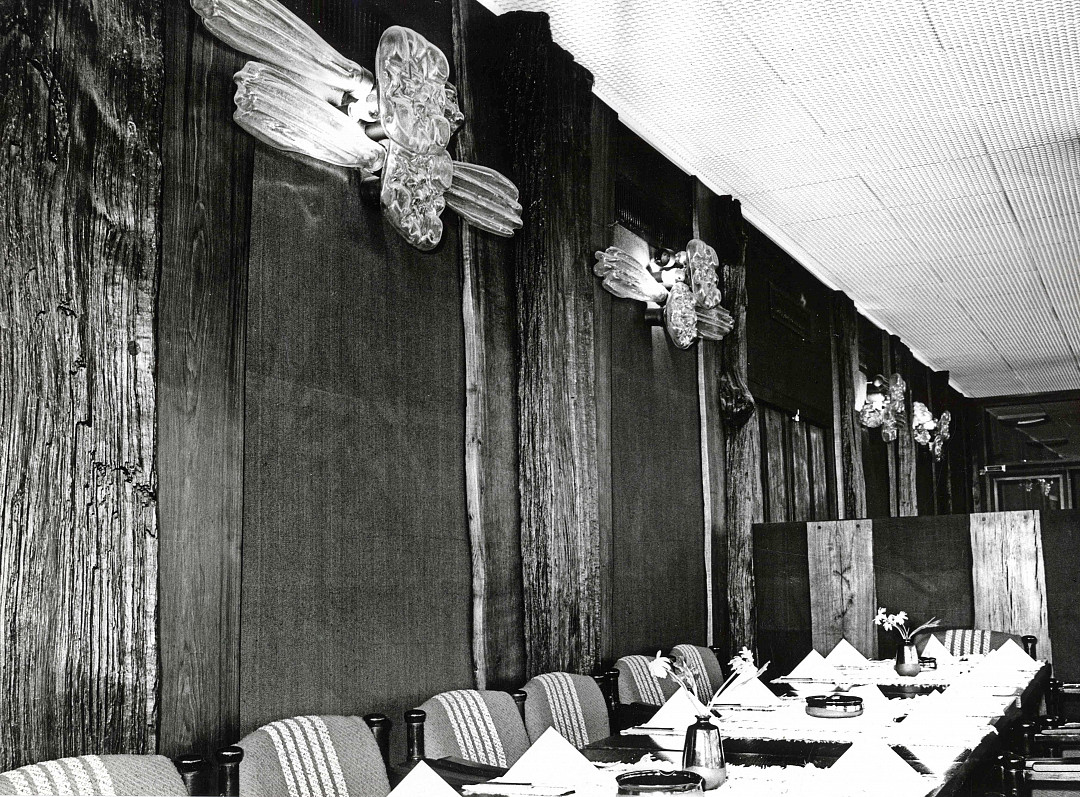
x: 947, y: 216
x: 916, y: 185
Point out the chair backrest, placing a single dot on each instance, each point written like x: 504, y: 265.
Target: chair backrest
x: 108, y: 775
x: 638, y: 685
x: 317, y: 756
x: 702, y: 663
x: 481, y: 726
x: 571, y: 704
x: 965, y: 641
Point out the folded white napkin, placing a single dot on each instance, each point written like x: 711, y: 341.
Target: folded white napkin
x: 872, y: 764
x: 553, y: 761
x: 873, y: 699
x: 844, y: 654
x: 936, y: 650
x: 1012, y: 655
x: 423, y: 781
x: 814, y: 666
x: 679, y: 712
x: 747, y: 693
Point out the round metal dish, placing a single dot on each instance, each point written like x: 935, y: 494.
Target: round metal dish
x: 657, y: 782
x: 834, y: 706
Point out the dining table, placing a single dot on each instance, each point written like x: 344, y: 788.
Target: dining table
x: 774, y: 759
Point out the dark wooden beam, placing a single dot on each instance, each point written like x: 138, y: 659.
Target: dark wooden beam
x: 893, y: 465
x: 742, y: 436
x: 551, y: 113
x: 848, y: 431
x: 939, y: 403
x: 707, y: 227
x: 80, y: 220
x: 491, y: 455
x: 907, y: 499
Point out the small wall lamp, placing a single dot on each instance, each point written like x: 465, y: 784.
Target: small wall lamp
x: 880, y: 403
x: 928, y: 431
x: 303, y: 96
x: 683, y: 284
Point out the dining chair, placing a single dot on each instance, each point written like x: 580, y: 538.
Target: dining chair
x: 571, y: 704
x: 316, y: 756
x: 1051, y: 777
x: 638, y: 685
x: 701, y: 662
x: 482, y: 726
x: 967, y: 641
x: 108, y: 775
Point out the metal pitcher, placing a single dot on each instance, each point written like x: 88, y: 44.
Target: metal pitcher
x: 703, y: 753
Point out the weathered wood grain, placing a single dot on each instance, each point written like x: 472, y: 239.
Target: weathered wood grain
x: 550, y: 108
x: 775, y: 479
x: 490, y: 401
x: 603, y: 218
x: 801, y: 502
x: 820, y: 508
x: 842, y: 589
x: 907, y: 496
x: 711, y: 430
x: 939, y: 403
x: 81, y: 180
x: 1009, y: 575
x: 206, y: 209
x: 852, y: 480
x: 742, y: 438
x: 891, y: 460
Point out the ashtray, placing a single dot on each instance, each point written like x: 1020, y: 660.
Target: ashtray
x: 928, y: 662
x: 834, y: 706
x: 659, y: 782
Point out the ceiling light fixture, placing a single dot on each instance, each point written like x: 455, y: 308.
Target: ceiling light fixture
x: 683, y: 283
x: 303, y: 96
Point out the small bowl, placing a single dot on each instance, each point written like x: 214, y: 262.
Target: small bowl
x: 658, y: 782
x: 834, y: 706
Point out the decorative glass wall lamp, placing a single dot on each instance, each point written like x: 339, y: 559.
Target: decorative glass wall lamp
x: 683, y: 284
x: 881, y: 403
x: 929, y: 432
x: 303, y: 96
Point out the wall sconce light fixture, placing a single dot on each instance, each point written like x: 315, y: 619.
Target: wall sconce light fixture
x: 683, y: 283
x: 881, y: 403
x: 303, y: 96
x: 929, y: 432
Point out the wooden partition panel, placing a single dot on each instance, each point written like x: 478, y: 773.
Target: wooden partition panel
x: 842, y: 600
x: 782, y: 578
x: 1009, y: 577
x: 1061, y: 554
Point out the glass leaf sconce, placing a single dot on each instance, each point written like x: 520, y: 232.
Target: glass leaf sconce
x: 303, y: 96
x: 683, y: 283
x: 928, y: 431
x: 880, y: 403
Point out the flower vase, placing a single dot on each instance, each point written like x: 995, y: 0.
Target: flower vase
x: 907, y: 659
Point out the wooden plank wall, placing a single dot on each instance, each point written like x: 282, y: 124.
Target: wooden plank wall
x: 206, y: 210
x: 550, y: 131
x: 81, y: 176
x: 842, y: 590
x: 491, y: 466
x: 907, y: 496
x: 851, y: 497
x: 1009, y: 579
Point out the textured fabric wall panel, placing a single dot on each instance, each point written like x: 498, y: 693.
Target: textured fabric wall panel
x: 842, y: 598
x: 1009, y: 576
x: 782, y: 595
x: 923, y: 567
x: 1061, y: 553
x: 658, y: 568
x: 356, y: 575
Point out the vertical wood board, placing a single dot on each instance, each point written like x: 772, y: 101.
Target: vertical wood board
x: 801, y: 468
x: 774, y: 478
x: 848, y: 431
x: 842, y: 592
x: 1009, y: 575
x: 820, y: 508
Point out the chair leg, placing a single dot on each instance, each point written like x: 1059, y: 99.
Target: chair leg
x: 520, y: 696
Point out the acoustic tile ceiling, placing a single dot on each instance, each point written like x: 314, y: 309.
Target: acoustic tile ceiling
x: 921, y: 155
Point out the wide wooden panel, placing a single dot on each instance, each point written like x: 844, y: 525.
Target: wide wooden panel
x: 206, y: 205
x: 1009, y: 575
x: 842, y: 594
x: 923, y: 567
x: 550, y: 107
x: 79, y: 215
x: 1061, y: 554
x: 658, y: 567
x: 782, y: 595
x: 774, y: 478
x: 357, y: 586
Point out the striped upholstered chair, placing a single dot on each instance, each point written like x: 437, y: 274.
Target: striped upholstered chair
x: 108, y: 775
x: 571, y: 704
x: 323, y: 756
x: 965, y: 641
x: 481, y: 726
x: 702, y: 663
x: 638, y: 685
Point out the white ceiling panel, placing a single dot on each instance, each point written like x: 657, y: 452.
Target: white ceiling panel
x: 922, y: 155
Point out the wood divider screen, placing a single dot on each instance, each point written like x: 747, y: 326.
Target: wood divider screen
x: 817, y: 582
